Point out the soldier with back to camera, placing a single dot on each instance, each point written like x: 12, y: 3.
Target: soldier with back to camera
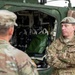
x: 12, y: 60
x: 61, y: 53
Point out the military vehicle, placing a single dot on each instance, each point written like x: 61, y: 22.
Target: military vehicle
x: 38, y: 26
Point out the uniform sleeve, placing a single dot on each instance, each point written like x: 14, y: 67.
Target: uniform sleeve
x: 68, y: 57
x: 52, y: 57
x: 28, y: 69
x: 25, y: 64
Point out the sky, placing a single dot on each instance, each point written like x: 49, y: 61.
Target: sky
x: 61, y: 3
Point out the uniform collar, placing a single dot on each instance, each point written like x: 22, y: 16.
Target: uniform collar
x: 67, y: 41
x: 3, y: 41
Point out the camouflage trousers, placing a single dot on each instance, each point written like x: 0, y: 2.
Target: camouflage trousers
x: 69, y: 71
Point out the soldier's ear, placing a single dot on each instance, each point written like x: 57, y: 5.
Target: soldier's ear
x: 74, y: 27
x: 10, y: 31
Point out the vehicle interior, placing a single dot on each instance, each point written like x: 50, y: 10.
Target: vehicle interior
x: 35, y: 31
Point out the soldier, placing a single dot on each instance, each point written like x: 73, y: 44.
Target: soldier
x: 12, y: 60
x: 61, y: 53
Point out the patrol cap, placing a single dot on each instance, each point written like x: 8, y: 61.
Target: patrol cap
x: 69, y: 20
x: 7, y: 18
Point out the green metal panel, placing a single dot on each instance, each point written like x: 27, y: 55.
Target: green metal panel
x: 46, y: 71
x: 32, y: 1
x: 22, y: 1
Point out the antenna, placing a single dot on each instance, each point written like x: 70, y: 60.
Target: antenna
x: 69, y: 4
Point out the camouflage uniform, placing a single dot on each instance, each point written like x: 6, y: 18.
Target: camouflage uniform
x: 61, y: 55
x: 14, y: 61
